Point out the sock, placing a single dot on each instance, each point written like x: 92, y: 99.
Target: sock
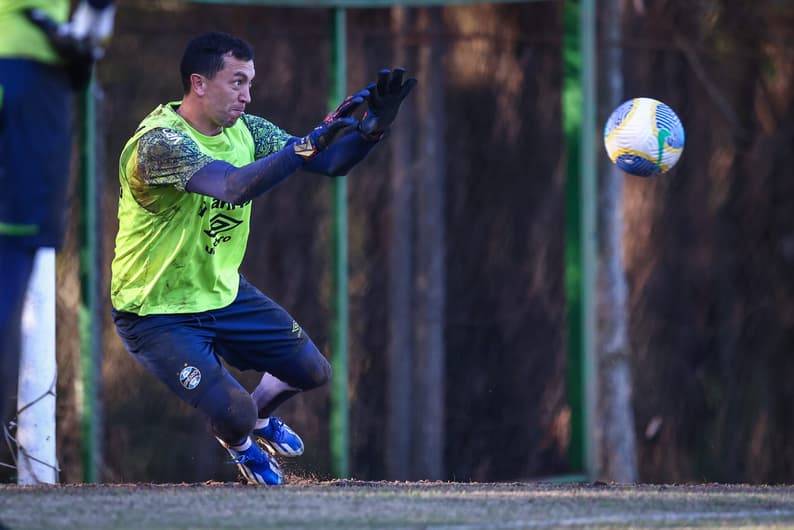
x: 242, y: 446
x: 270, y: 393
x: 261, y: 423
x: 268, y: 388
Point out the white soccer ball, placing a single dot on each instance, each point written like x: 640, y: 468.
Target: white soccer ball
x: 644, y: 137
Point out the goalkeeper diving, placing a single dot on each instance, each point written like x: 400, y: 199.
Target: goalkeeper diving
x: 187, y: 178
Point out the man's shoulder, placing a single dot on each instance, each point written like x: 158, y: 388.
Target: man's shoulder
x: 162, y: 117
x: 161, y: 128
x: 157, y: 141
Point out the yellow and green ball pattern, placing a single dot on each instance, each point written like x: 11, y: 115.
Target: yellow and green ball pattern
x: 644, y: 137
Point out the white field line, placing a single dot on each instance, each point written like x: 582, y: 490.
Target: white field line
x: 636, y: 518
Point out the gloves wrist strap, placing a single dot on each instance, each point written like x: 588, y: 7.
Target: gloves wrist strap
x: 304, y: 148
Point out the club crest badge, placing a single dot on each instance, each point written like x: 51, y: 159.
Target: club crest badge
x: 190, y: 377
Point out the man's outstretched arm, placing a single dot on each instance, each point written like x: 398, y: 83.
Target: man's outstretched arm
x: 384, y: 98
x: 235, y: 185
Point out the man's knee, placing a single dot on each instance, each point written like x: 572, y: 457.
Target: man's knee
x: 305, y: 369
x: 316, y: 368
x: 230, y: 409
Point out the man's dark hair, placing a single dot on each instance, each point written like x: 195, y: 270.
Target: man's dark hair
x: 204, y: 55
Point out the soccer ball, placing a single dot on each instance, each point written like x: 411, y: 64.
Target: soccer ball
x: 644, y: 137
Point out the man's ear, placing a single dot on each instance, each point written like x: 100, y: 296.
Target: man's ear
x: 198, y: 84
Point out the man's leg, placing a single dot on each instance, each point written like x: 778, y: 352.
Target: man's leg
x: 255, y: 333
x: 178, y: 350
x: 232, y: 412
x: 271, y: 392
x: 16, y: 266
x: 305, y: 369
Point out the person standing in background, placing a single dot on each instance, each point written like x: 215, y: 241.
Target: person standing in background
x: 45, y: 57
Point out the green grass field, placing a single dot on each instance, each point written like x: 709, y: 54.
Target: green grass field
x: 357, y: 504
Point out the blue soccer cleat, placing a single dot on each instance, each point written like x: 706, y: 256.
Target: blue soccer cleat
x: 257, y: 466
x: 277, y: 437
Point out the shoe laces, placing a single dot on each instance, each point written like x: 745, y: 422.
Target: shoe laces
x: 276, y: 427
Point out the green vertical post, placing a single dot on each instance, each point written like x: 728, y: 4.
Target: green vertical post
x: 88, y: 282
x: 589, y: 257
x: 339, y: 403
x: 579, y: 128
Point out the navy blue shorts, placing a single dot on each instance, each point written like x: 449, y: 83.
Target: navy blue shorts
x: 35, y: 152
x: 252, y: 333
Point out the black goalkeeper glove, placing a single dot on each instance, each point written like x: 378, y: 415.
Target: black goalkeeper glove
x: 350, y: 104
x: 384, y: 101
x: 78, y: 53
x: 334, y: 126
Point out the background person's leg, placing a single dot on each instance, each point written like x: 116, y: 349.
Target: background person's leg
x: 16, y: 266
x: 35, y: 150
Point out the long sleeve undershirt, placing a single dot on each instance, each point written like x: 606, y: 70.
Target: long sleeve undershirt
x: 235, y: 185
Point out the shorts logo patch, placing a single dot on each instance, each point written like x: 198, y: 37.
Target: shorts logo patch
x: 296, y: 329
x: 190, y: 377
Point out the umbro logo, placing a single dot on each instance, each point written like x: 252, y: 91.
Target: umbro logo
x: 296, y: 329
x: 221, y: 223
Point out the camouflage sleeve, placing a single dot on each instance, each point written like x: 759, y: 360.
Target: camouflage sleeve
x: 268, y: 138
x: 169, y: 158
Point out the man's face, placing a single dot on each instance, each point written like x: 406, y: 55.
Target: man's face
x: 226, y: 94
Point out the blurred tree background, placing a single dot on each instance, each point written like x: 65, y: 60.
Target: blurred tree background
x: 708, y: 248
